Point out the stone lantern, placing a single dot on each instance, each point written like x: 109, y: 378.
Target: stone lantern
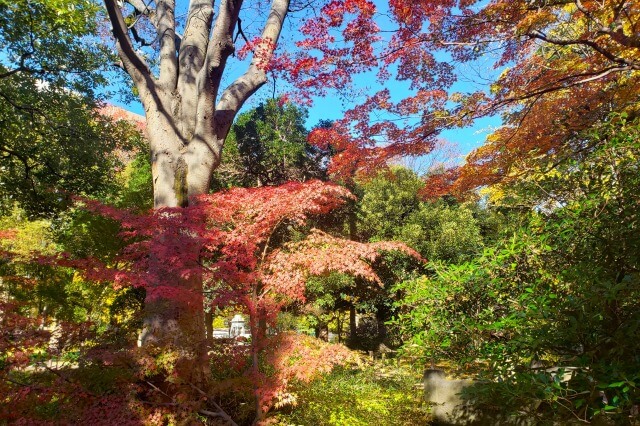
x: 237, y: 326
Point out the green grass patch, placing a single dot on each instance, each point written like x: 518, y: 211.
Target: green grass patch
x: 358, y: 397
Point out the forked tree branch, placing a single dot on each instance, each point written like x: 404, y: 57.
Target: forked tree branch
x: 196, y: 38
x: 219, y: 48
x: 239, y: 91
x: 134, y: 64
x: 191, y: 57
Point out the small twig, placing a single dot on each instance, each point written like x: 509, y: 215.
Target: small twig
x: 15, y: 382
x: 241, y: 33
x: 210, y: 413
x: 568, y: 408
x: 220, y: 413
x: 163, y: 404
x: 158, y: 389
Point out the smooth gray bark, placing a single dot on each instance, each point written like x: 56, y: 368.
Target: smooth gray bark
x: 186, y: 115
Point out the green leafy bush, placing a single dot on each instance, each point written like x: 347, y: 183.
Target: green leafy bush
x: 562, y: 291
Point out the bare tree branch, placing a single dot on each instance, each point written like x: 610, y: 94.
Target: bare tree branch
x: 219, y: 413
x: 219, y: 49
x: 240, y: 33
x: 191, y: 59
x: 138, y: 38
x: 134, y: 64
x: 589, y: 43
x: 143, y: 9
x: 166, y: 34
x: 237, y: 93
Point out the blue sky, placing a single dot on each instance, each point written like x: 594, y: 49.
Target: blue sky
x: 471, y: 77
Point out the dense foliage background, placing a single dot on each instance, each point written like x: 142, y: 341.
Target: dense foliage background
x: 519, y: 268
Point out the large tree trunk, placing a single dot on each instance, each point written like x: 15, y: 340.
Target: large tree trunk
x: 174, y: 306
x: 187, y: 121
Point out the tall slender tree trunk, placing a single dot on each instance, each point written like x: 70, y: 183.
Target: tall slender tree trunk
x: 174, y: 306
x: 208, y: 325
x: 353, y: 236
x: 352, y: 324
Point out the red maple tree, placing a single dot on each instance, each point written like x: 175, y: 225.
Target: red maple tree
x: 529, y: 57
x: 236, y: 241
x: 564, y: 65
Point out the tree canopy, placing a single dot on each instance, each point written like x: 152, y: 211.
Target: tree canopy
x: 268, y: 146
x: 55, y: 143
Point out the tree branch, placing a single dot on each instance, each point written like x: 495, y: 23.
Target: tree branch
x: 589, y: 43
x: 587, y: 13
x: 134, y: 64
x: 560, y: 84
x: 21, y: 67
x: 143, y: 9
x: 204, y: 149
x: 220, y: 413
x: 157, y: 389
x: 616, y: 30
x: 139, y: 39
x: 11, y: 72
x: 165, y: 12
x: 17, y: 106
x: 191, y: 58
x: 196, y: 37
x: 240, y: 33
x: 218, y: 51
x: 237, y: 93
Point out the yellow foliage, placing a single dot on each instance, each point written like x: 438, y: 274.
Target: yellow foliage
x: 31, y: 236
